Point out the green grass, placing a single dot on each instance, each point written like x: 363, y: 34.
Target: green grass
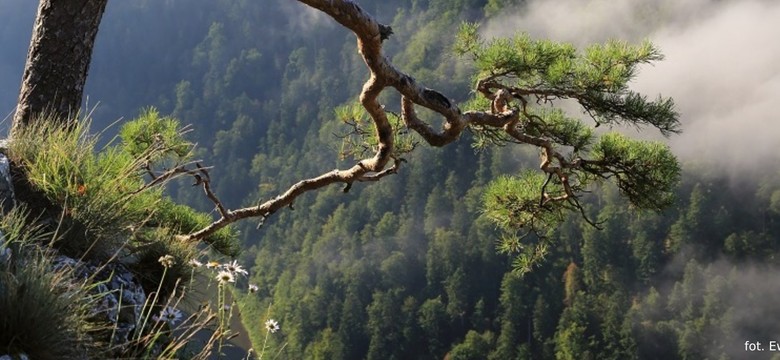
x: 97, y: 193
x: 93, y: 191
x: 155, y: 244
x: 43, y: 313
x: 98, y: 204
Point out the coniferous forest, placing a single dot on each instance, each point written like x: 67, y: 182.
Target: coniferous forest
x: 410, y: 267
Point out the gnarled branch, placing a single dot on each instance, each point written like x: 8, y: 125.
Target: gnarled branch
x: 516, y: 122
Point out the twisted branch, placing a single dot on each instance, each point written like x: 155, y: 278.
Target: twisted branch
x: 370, y: 35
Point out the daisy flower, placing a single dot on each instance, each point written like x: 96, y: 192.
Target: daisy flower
x: 212, y: 264
x: 225, y: 277
x: 169, y: 314
x: 272, y: 326
x: 253, y: 288
x: 235, y: 268
x: 195, y: 263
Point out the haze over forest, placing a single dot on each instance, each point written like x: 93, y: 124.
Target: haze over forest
x: 407, y: 268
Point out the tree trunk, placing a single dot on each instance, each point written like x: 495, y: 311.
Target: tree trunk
x: 58, y: 58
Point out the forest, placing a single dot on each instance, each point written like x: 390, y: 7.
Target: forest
x: 409, y: 267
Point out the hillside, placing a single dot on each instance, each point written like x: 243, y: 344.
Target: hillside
x: 408, y: 267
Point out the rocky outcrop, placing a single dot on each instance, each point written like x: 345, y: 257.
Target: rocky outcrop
x: 120, y: 297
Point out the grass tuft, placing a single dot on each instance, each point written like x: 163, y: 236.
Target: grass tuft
x: 100, y: 205
x: 43, y: 313
x: 100, y: 196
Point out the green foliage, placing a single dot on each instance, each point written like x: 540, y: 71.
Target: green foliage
x: 102, y: 195
x: 93, y: 191
x: 597, y: 77
x: 572, y: 340
x: 545, y: 72
x: 153, y: 245
x: 775, y: 202
x: 562, y: 129
x: 514, y: 204
x: 43, y: 313
x: 646, y: 172
x: 149, y: 132
x: 183, y: 219
x: 18, y: 230
x: 474, y: 347
x: 495, y: 7
x: 47, y: 312
x: 433, y: 320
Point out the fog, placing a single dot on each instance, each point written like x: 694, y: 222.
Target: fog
x: 722, y: 66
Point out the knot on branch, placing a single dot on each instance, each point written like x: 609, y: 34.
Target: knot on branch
x: 501, y: 102
x: 384, y: 32
x: 435, y: 97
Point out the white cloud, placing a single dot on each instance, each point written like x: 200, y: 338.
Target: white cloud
x: 722, y: 65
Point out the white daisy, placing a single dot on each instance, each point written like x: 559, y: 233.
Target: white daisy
x: 195, y: 263
x: 253, y: 288
x: 225, y: 277
x: 169, y: 314
x: 235, y: 268
x: 272, y: 326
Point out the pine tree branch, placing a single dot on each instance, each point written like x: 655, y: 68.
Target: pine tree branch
x: 513, y: 121
x: 370, y: 35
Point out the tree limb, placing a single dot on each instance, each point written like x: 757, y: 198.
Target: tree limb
x: 513, y: 121
x: 370, y: 34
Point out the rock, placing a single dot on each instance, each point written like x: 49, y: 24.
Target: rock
x: 122, y: 297
x: 7, y: 198
x: 17, y: 357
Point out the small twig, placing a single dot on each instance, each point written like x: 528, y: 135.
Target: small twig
x: 205, y: 180
x: 544, y: 189
x: 391, y: 170
x: 169, y: 174
x: 577, y: 204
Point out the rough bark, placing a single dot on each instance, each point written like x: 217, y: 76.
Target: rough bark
x: 58, y: 58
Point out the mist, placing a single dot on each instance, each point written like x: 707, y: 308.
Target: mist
x: 742, y: 293
x: 722, y: 66
x: 304, y: 18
